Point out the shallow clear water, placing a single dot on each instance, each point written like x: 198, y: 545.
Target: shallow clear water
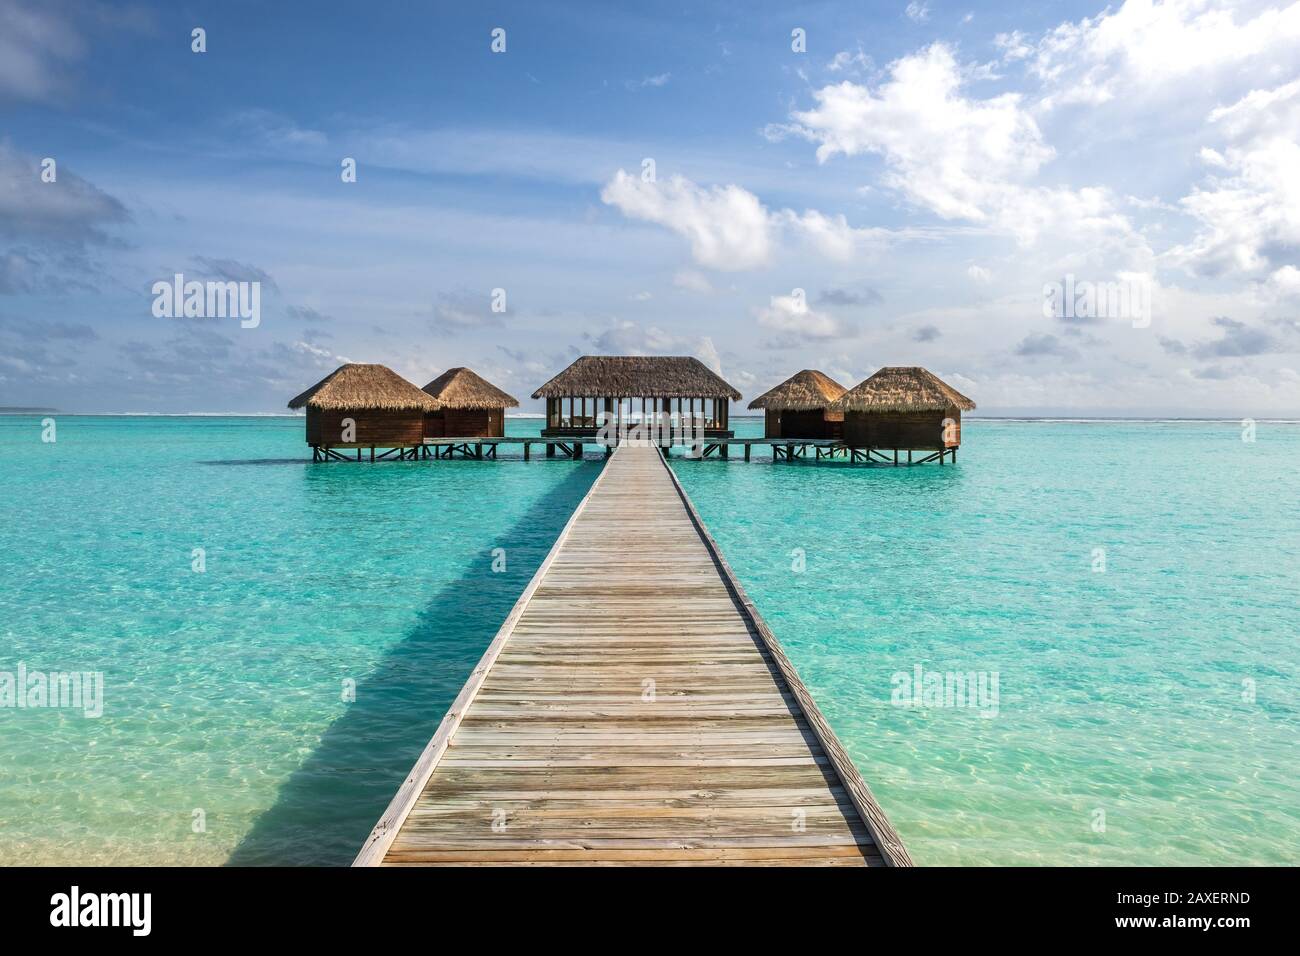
x: 1119, y: 691
x: 224, y: 689
x: 1125, y: 691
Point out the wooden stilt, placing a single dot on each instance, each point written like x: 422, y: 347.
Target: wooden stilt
x: 577, y: 450
x: 550, y: 450
x: 527, y: 446
x: 747, y: 451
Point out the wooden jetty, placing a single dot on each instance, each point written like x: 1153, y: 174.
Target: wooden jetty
x: 783, y: 449
x: 634, y: 709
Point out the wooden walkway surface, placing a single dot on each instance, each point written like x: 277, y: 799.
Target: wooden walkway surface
x: 634, y: 709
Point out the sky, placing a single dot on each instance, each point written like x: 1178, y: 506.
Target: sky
x: 767, y: 187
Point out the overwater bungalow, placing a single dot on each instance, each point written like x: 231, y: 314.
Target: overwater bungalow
x: 800, y: 407
x: 632, y: 388
x: 903, y: 407
x: 471, y: 406
x: 365, y: 406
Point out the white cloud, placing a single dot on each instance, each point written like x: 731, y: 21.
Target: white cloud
x: 1146, y: 49
x: 41, y: 41
x: 69, y: 209
x: 36, y: 45
x: 659, y: 79
x: 456, y: 312
x: 958, y: 156
x: 832, y: 236
x: 791, y: 316
x: 1249, y: 209
x: 323, y: 358
x: 918, y: 12
x: 54, y: 226
x: 274, y: 131
x: 693, y: 281
x: 1286, y: 281
x: 979, y: 273
x: 846, y: 62
x: 1261, y: 112
x: 629, y: 338
x: 728, y: 227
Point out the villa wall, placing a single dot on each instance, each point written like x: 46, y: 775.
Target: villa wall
x: 466, y: 423
x: 811, y: 423
x: 374, y: 426
x: 922, y: 431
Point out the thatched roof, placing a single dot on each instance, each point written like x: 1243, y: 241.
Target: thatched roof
x: 801, y: 392
x: 365, y: 386
x: 902, y: 388
x: 637, y: 376
x: 464, y: 388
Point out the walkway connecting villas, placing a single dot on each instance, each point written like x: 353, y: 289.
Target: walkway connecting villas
x: 603, y: 726
x: 612, y: 399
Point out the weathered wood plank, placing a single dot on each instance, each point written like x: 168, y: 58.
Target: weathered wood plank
x: 633, y: 710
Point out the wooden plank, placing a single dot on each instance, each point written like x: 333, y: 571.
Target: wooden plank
x: 886, y: 838
x: 381, y: 837
x: 631, y: 711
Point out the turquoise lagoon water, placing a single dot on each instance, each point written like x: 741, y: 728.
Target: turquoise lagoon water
x: 1126, y: 692
x: 1147, y: 713
x: 224, y: 689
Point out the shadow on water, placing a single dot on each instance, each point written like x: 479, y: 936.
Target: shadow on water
x: 328, y: 805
